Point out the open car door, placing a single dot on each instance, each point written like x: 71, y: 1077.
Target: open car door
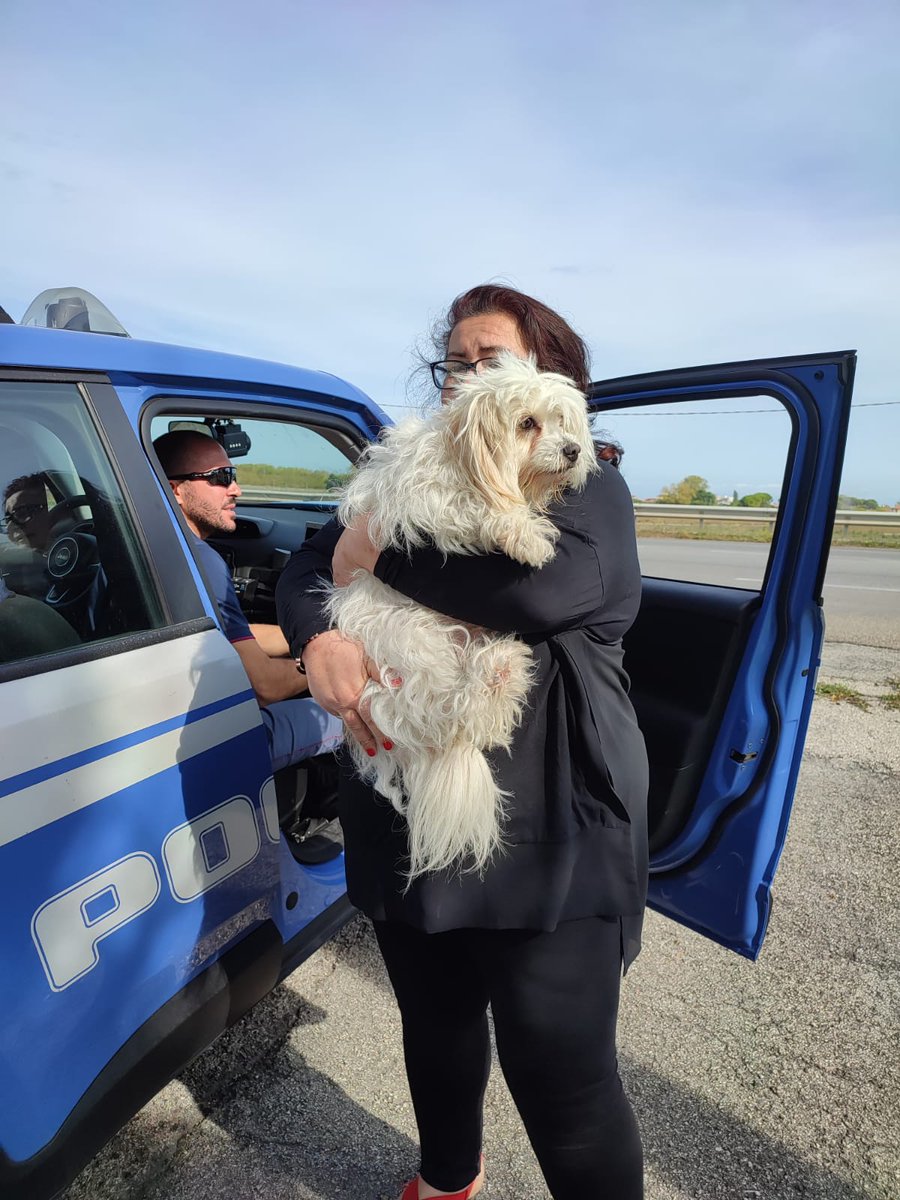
x: 723, y: 666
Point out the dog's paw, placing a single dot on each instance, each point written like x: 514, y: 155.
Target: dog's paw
x: 532, y: 542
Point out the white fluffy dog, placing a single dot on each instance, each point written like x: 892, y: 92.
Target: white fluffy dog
x: 475, y: 477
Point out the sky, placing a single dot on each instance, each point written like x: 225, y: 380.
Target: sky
x: 687, y: 181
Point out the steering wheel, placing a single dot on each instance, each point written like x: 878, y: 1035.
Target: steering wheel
x: 73, y: 563
x: 69, y: 504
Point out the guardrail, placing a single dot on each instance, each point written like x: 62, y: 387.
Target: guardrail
x: 859, y: 518
x: 254, y: 492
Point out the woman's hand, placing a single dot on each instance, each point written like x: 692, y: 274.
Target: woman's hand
x: 337, y: 670
x: 353, y: 552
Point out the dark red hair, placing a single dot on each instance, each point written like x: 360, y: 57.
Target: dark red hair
x: 552, y: 341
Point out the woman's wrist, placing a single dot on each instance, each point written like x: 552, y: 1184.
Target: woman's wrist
x: 353, y: 552
x: 306, y: 646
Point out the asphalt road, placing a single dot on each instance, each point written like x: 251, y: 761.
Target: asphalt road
x: 770, y: 1081
x: 861, y: 593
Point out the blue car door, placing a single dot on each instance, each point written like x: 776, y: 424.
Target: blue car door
x: 723, y: 669
x: 132, y: 853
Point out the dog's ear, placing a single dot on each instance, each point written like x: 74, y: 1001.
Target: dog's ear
x: 484, y: 440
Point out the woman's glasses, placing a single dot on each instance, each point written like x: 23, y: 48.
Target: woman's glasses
x: 218, y: 476
x: 447, y: 371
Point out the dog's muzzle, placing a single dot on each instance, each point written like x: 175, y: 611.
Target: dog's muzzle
x: 571, y: 452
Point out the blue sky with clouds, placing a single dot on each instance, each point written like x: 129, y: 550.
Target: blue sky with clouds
x: 688, y: 181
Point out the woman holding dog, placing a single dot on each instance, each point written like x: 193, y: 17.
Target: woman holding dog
x: 543, y: 934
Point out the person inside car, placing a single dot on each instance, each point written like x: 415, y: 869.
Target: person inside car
x: 205, y: 488
x: 26, y: 513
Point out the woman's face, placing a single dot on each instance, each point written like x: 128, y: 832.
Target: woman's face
x: 483, y: 337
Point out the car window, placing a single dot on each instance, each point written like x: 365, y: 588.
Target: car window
x: 285, y: 461
x: 71, y: 567
x: 706, y: 476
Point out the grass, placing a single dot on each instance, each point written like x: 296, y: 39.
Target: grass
x: 753, y: 531
x: 876, y: 539
x: 716, y: 531
x: 842, y: 693
x: 839, y: 693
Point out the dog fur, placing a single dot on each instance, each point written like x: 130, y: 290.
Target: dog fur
x: 476, y: 476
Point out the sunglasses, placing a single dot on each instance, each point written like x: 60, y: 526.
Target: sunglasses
x: 23, y: 513
x: 218, y: 476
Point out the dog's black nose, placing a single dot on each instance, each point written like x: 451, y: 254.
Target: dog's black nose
x: 571, y: 452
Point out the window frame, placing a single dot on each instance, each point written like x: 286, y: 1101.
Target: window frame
x: 754, y: 388
x: 154, y: 537
x: 216, y: 402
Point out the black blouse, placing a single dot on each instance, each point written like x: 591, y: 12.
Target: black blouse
x: 575, y: 837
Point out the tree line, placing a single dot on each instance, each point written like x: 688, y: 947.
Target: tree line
x: 694, y: 489
x: 300, y: 479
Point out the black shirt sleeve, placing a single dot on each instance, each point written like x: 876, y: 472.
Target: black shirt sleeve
x: 298, y: 594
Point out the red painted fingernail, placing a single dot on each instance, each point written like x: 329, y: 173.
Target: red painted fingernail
x: 396, y: 683
x: 387, y: 745
x: 371, y: 753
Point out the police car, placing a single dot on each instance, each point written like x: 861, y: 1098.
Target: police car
x: 153, y: 878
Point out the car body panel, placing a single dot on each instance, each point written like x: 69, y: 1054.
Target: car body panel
x: 127, y: 361
x: 107, y: 912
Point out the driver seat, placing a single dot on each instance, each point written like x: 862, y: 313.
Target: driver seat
x: 28, y: 627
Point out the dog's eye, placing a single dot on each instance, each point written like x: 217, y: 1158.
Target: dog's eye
x: 527, y: 423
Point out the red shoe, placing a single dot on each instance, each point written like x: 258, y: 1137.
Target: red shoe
x: 411, y: 1191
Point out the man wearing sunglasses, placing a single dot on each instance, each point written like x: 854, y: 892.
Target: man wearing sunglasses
x: 205, y: 488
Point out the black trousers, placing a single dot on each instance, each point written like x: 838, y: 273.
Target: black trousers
x: 554, y: 998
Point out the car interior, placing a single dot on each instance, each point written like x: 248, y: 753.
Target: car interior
x: 256, y: 553
x: 682, y: 655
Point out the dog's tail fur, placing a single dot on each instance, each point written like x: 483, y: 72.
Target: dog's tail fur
x: 454, y: 813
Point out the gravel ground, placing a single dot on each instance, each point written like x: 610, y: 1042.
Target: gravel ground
x: 766, y: 1081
